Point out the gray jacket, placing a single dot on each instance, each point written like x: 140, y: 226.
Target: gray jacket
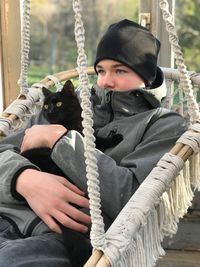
x: 148, y: 132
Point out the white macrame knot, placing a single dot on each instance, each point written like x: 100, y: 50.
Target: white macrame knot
x: 191, y: 137
x: 56, y: 81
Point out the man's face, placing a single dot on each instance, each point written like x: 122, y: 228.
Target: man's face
x: 115, y: 76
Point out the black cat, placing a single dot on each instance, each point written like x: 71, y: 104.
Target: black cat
x: 64, y: 108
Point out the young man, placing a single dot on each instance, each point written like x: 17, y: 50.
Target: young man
x: 126, y: 100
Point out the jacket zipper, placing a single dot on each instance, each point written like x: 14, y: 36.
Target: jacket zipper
x: 109, y: 104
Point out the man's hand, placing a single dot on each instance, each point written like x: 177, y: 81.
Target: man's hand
x: 51, y: 198
x: 42, y: 136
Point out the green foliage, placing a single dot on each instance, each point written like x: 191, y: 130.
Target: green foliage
x: 188, y: 28
x: 36, y: 73
x: 53, y: 46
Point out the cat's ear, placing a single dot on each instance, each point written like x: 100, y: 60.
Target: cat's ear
x: 68, y: 88
x: 45, y: 91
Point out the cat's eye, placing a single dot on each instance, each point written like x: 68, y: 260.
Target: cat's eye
x: 59, y: 104
x: 46, y: 106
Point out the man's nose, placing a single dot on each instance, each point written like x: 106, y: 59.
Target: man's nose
x: 108, y: 81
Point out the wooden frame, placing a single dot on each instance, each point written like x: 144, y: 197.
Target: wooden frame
x: 150, y: 13
x: 10, y: 47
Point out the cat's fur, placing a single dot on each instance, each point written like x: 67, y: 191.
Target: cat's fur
x: 63, y: 108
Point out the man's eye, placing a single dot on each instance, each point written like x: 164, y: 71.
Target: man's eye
x: 46, y: 106
x: 59, y: 104
x: 120, y: 71
x: 100, y: 71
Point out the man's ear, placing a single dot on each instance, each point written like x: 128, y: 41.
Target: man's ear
x: 68, y: 88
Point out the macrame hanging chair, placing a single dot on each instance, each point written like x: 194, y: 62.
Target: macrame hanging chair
x: 135, y: 237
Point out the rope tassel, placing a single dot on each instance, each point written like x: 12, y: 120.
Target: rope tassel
x: 135, y: 238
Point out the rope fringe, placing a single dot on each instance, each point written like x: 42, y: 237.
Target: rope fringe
x: 135, y: 238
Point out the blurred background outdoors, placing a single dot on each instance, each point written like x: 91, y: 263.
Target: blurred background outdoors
x: 53, y: 46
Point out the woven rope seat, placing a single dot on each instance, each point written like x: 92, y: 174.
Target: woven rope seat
x: 135, y: 237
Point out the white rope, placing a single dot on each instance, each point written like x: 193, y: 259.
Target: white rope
x: 194, y: 171
x: 19, y: 107
x: 25, y: 37
x: 56, y: 82
x: 174, y: 75
x: 135, y: 237
x: 192, y: 139
x: 22, y: 107
x: 39, y: 85
x: 97, y: 230
x: 193, y: 108
x: 24, y: 103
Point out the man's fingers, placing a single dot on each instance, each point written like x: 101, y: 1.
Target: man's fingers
x: 73, y: 193
x: 78, y: 200
x: 50, y: 222
x: 70, y: 222
x: 75, y: 213
x: 74, y: 188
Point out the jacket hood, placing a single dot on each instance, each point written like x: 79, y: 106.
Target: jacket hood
x: 158, y: 87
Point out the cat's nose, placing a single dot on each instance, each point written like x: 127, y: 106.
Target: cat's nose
x: 50, y: 109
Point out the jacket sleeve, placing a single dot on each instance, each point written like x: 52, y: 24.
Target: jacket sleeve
x: 12, y: 163
x: 119, y: 181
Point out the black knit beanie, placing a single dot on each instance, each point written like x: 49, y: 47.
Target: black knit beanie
x: 132, y: 45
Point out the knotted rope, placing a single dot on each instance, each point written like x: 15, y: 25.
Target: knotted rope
x: 97, y: 230
x: 25, y: 37
x: 193, y: 108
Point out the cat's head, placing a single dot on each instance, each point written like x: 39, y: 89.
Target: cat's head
x: 59, y: 106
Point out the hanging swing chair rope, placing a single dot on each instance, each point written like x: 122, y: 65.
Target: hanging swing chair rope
x: 97, y: 230
x: 20, y: 106
x: 193, y: 108
x: 25, y: 47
